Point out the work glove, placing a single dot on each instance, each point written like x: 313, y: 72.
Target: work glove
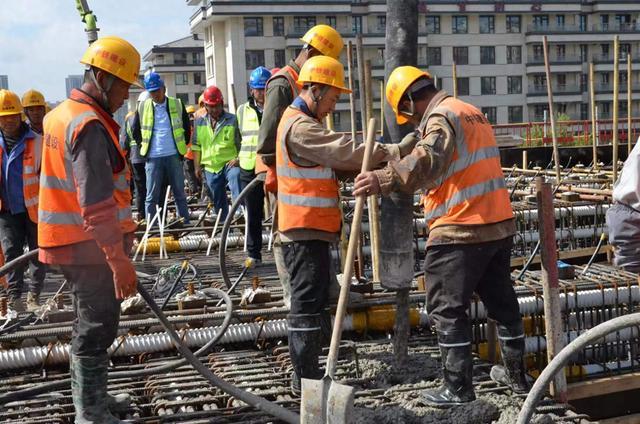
x: 271, y: 181
x: 124, y: 274
x: 408, y: 142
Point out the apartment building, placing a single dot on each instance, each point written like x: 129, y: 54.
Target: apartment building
x: 4, y: 82
x: 496, y: 45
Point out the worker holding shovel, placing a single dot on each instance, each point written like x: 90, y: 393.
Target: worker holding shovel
x: 471, y: 226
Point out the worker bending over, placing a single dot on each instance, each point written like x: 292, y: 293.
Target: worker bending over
x: 215, y: 145
x: 35, y: 108
x: 85, y: 217
x: 249, y: 118
x: 163, y: 128
x: 281, y: 89
x: 308, y: 156
x: 20, y: 154
x: 471, y: 226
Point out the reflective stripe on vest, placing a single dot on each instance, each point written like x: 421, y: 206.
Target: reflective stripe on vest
x: 308, y: 197
x: 472, y: 191
x: 60, y: 218
x: 145, y: 112
x: 217, y: 147
x: 249, y: 128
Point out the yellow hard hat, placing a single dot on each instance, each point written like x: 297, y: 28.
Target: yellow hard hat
x: 9, y: 103
x: 323, y: 70
x: 325, y: 39
x: 191, y: 109
x: 399, y: 81
x: 33, y: 98
x: 116, y: 56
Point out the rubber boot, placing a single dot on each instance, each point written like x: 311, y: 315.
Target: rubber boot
x: 326, y: 325
x: 512, y: 372
x: 305, y: 346
x: 89, y: 390
x: 457, y: 374
x: 33, y: 301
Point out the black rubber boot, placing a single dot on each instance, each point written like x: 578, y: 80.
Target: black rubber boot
x: 457, y: 375
x: 512, y: 373
x: 305, y: 346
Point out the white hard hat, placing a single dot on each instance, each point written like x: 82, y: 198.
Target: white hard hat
x: 143, y: 96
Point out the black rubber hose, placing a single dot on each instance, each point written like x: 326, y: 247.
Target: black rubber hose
x: 259, y: 179
x: 526, y: 266
x: 65, y: 384
x: 4, y: 269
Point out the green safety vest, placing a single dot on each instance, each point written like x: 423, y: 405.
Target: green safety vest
x: 216, y: 147
x: 145, y: 111
x: 127, y: 127
x: 249, y: 126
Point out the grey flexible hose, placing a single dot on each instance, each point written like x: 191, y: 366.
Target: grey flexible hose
x: 558, y: 363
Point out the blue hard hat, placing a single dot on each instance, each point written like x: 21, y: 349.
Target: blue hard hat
x: 152, y: 81
x: 259, y: 77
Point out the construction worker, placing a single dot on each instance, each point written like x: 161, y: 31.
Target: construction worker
x: 308, y: 156
x: 131, y: 147
x: 189, y: 166
x: 162, y: 126
x: 249, y: 116
x: 34, y: 107
x: 20, y: 153
x: 280, y: 91
x: 85, y: 223
x: 471, y: 226
x: 215, y: 145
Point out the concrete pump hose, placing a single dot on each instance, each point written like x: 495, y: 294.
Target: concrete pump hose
x: 259, y: 179
x: 6, y: 268
x: 558, y: 363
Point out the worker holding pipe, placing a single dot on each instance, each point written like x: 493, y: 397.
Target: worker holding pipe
x: 308, y: 159
x: 471, y: 226
x: 85, y: 223
x: 280, y: 91
x: 35, y: 107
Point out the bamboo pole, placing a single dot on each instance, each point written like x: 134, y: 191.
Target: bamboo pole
x: 368, y: 89
x: 363, y: 94
x: 382, y: 107
x: 352, y: 95
x: 547, y: 68
x: 616, y: 89
x: 594, y: 128
x: 455, y: 79
x: 629, y: 104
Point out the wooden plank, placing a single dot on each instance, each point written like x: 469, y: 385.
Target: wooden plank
x: 604, y: 386
x: 568, y: 254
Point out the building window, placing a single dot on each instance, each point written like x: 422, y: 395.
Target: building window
x: 184, y: 97
x: 541, y: 21
x: 604, y: 22
x: 182, y: 78
x: 604, y: 109
x: 515, y: 114
x: 331, y: 21
x: 253, y: 27
x: 604, y: 49
x: 198, y: 78
x: 382, y: 23
x: 279, y: 58
x: 356, y: 24
x: 625, y: 50
x: 459, y: 25
x: 513, y: 24
x: 514, y: 85
x: 490, y: 113
x: 209, y: 67
x: 514, y: 55
x: 303, y: 23
x: 180, y: 58
x: 487, y: 25
x: 539, y: 112
x: 463, y: 86
x: 584, y: 52
x: 336, y: 120
x: 583, y: 23
x: 560, y: 21
x: 540, y: 82
x: 254, y: 59
x: 488, y: 85
x: 433, y: 24
x: 278, y: 26
x: 434, y: 56
x: 561, y: 52
x: 584, y: 111
x: 538, y: 52
x: 461, y: 55
x: 584, y: 82
x: 562, y: 81
x: 197, y: 58
x: 487, y: 55
x: 381, y: 55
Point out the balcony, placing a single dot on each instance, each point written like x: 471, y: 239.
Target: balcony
x: 622, y: 87
x: 564, y: 89
x: 345, y: 31
x: 575, y: 29
x: 608, y: 57
x: 554, y: 60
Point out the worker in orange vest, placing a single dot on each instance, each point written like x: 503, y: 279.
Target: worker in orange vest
x: 85, y: 222
x: 20, y: 149
x: 280, y: 91
x: 308, y: 156
x: 471, y: 226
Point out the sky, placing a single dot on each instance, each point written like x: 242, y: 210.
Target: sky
x: 41, y: 41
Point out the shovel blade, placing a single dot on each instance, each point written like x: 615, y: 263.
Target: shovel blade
x: 325, y: 402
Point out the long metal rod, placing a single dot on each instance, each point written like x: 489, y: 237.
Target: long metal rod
x: 454, y: 75
x: 361, y: 83
x: 629, y: 103
x: 592, y: 99
x: 547, y: 69
x: 616, y: 106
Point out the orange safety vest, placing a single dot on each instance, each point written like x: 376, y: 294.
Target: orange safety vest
x: 308, y: 196
x: 292, y: 78
x: 60, y: 219
x: 472, y: 190
x: 30, y: 174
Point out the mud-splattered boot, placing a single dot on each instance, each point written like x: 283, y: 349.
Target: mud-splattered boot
x: 512, y: 372
x: 457, y: 374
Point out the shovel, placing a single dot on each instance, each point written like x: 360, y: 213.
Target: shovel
x: 326, y: 401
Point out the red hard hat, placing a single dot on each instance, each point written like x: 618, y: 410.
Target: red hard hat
x: 213, y: 96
